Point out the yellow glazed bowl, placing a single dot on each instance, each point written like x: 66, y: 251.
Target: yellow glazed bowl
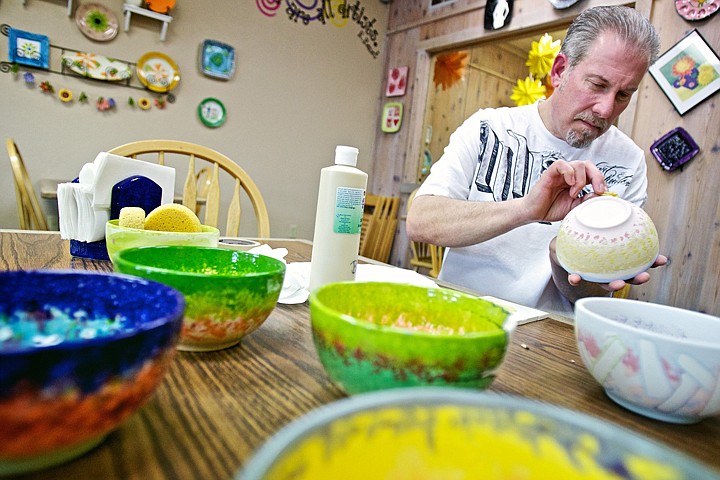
x: 444, y: 433
x: 607, y: 238
x: 120, y: 238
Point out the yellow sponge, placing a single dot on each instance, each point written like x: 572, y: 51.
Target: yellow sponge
x: 132, y: 217
x: 173, y: 217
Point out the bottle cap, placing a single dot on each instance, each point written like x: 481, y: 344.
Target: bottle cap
x: 346, y: 155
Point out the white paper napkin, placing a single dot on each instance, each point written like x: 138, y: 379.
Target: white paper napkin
x: 110, y: 169
x: 84, y: 207
x: 78, y: 219
x: 297, y: 279
x: 518, y: 313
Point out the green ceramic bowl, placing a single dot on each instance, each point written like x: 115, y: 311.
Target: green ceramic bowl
x: 228, y: 293
x: 376, y: 335
x: 119, y: 238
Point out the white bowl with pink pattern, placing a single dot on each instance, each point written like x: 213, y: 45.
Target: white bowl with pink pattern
x: 656, y: 360
x: 607, y: 238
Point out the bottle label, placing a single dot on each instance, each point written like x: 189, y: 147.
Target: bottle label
x: 349, y: 204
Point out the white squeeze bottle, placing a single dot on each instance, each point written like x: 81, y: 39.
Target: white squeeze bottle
x: 341, y: 199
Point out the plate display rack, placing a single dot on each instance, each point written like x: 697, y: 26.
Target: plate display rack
x: 130, y: 82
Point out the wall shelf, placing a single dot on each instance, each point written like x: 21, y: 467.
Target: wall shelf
x: 128, y: 10
x: 69, y: 6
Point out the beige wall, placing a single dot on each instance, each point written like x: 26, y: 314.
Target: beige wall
x: 298, y: 91
x: 683, y: 204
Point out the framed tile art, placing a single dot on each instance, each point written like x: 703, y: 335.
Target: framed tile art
x: 28, y: 48
x: 688, y: 73
x: 392, y: 117
x: 396, y: 81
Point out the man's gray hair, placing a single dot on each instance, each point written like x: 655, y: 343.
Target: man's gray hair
x: 626, y: 22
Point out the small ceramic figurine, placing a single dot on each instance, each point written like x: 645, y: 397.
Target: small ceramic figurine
x: 160, y: 6
x: 497, y: 13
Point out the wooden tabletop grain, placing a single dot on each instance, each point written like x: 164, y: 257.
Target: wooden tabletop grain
x: 213, y: 410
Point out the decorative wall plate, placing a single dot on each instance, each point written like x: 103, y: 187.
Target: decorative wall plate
x: 396, y: 81
x: 28, y: 48
x: 158, y: 72
x: 392, y: 117
x: 217, y: 59
x: 696, y: 9
x: 674, y: 149
x: 560, y: 4
x: 97, y: 66
x: 96, y: 22
x: 212, y: 112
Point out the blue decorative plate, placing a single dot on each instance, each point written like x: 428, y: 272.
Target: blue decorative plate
x: 217, y: 59
x: 28, y: 48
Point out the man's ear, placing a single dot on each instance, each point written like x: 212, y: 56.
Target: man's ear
x: 560, y: 67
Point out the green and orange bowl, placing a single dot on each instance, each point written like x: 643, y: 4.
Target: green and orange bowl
x: 228, y: 293
x: 376, y: 335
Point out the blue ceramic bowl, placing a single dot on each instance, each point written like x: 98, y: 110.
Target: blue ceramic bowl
x: 79, y: 353
x: 433, y: 432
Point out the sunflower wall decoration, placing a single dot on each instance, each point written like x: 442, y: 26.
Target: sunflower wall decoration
x: 537, y: 85
x: 449, y: 69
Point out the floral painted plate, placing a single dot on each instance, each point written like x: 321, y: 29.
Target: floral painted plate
x: 212, y: 112
x: 158, y: 72
x: 96, y: 22
x: 217, y: 59
x: 97, y: 66
x: 696, y: 9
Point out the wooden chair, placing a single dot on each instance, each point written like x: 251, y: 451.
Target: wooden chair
x: 162, y: 151
x: 30, y: 214
x: 380, y: 219
x: 425, y: 255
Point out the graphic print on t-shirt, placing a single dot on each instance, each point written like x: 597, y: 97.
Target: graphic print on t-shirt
x: 509, y: 171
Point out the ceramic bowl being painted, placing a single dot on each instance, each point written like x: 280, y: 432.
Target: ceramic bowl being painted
x: 377, y: 335
x: 79, y: 353
x: 119, y: 238
x: 228, y: 293
x: 446, y: 433
x: 607, y: 238
x: 659, y: 361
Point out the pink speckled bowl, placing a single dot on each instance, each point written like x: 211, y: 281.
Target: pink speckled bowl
x: 607, y: 238
x: 656, y: 360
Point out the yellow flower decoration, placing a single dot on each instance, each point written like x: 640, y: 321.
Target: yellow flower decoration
x: 528, y: 91
x: 144, y: 103
x: 541, y: 55
x: 706, y: 74
x: 65, y: 95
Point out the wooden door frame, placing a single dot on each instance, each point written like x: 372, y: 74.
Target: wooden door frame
x: 475, y: 36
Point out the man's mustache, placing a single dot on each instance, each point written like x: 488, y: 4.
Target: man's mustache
x: 596, y: 122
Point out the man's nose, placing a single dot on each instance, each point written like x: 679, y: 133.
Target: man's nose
x: 604, y: 106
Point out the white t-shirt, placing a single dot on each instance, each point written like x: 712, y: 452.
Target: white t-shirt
x: 499, y: 154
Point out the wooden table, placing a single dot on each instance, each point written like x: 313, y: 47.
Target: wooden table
x: 213, y: 410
